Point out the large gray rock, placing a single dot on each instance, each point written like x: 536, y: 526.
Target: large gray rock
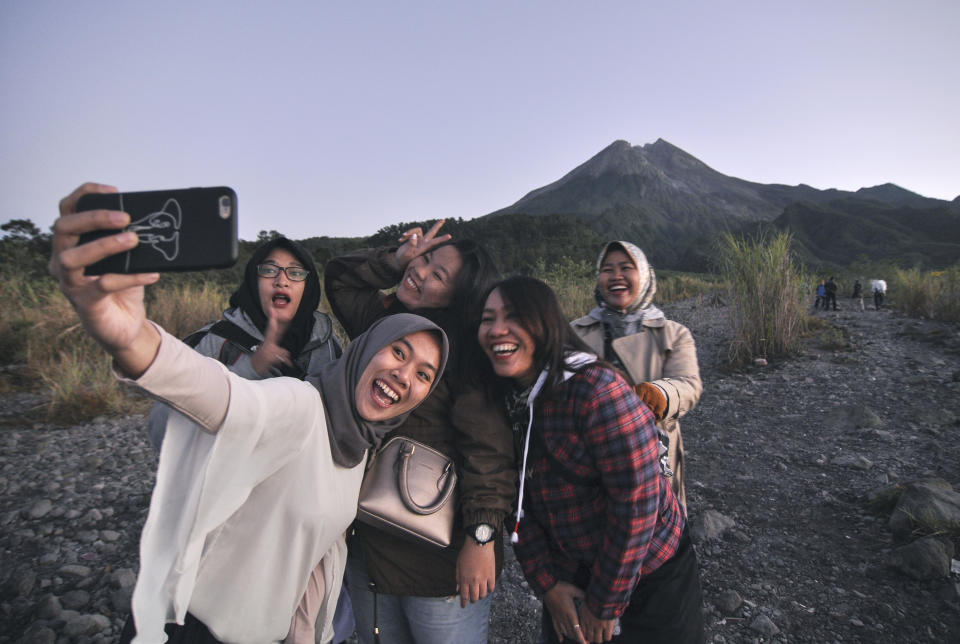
x: 82, y: 625
x: 75, y: 570
x: 926, y: 507
x: 709, y: 525
x: 38, y: 634
x: 49, y: 607
x: 123, y: 578
x: 729, y: 602
x: 23, y: 581
x: 925, y: 558
x: 75, y: 599
x: 855, y: 461
x: 765, y: 626
x: 863, y: 416
x: 40, y: 509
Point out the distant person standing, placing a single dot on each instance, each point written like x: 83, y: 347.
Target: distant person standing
x: 831, y: 289
x: 879, y: 290
x: 821, y: 295
x: 858, y: 293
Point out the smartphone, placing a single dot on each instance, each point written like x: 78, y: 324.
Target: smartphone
x: 180, y: 230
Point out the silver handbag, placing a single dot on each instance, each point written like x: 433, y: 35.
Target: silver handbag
x: 409, y: 489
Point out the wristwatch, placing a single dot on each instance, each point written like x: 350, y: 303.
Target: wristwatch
x: 482, y: 533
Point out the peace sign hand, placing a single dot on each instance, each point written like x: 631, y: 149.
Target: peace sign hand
x: 414, y: 243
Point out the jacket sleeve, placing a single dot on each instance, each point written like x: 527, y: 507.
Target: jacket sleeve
x: 680, y: 377
x: 488, y: 470
x: 354, y: 283
x: 535, y: 557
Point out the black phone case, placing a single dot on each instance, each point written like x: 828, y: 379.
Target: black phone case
x: 179, y: 230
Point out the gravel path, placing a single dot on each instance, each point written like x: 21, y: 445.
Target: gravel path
x: 782, y: 462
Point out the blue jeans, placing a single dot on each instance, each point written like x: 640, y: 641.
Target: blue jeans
x: 406, y: 619
x: 343, y: 623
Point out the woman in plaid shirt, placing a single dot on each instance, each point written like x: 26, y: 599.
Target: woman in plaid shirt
x: 604, y: 539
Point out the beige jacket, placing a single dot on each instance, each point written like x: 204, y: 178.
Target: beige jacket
x: 664, y: 354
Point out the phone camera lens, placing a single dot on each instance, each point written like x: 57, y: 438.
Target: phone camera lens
x: 225, y: 208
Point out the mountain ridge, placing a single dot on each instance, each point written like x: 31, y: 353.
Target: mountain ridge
x: 666, y: 199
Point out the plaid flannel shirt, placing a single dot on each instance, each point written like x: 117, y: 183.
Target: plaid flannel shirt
x: 598, y: 510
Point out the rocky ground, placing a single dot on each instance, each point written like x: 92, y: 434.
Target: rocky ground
x: 784, y: 461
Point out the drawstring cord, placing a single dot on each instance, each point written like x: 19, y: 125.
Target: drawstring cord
x: 514, y: 537
x: 574, y: 361
x: 376, y: 626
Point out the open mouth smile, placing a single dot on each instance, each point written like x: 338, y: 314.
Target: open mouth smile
x: 383, y: 394
x: 410, y: 284
x: 504, y: 349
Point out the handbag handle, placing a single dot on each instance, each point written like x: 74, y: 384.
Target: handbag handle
x: 406, y: 451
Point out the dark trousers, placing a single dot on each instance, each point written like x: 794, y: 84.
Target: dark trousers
x: 665, y: 607
x: 877, y: 300
x: 831, y: 299
x: 193, y: 631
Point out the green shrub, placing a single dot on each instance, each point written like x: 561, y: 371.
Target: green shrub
x: 572, y: 281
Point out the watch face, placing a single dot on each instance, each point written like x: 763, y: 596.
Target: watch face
x: 483, y: 533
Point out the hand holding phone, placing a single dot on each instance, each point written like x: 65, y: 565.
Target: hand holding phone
x: 179, y: 230
x: 110, y: 307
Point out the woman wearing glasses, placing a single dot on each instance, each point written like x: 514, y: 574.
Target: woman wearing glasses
x: 272, y: 327
x: 280, y: 288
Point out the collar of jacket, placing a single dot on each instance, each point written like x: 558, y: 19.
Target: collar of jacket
x: 587, y: 321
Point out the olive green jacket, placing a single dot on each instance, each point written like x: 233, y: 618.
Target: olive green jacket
x: 463, y: 423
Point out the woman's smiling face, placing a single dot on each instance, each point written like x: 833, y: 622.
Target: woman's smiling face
x: 280, y: 296
x: 618, y: 280
x: 398, y: 377
x: 429, y: 279
x: 508, y: 345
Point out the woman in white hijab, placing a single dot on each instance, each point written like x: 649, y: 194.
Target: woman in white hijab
x: 258, y: 480
x: 658, y: 355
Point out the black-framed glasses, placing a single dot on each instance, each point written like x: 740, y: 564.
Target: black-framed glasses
x: 293, y: 273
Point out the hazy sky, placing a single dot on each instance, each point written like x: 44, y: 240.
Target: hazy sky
x: 338, y: 118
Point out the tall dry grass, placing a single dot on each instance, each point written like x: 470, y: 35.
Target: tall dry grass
x: 183, y: 308
x: 674, y: 287
x: 43, y: 338
x: 40, y: 333
x: 39, y: 330
x: 924, y: 294
x: 766, y: 296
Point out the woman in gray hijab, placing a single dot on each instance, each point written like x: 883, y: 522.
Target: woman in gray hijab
x: 658, y: 355
x: 257, y: 480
